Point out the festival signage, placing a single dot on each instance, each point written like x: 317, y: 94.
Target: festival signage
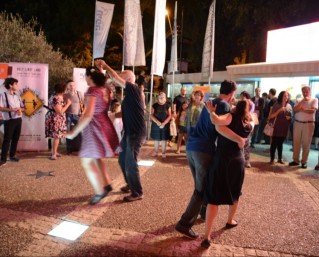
x: 79, y: 79
x: 33, y: 90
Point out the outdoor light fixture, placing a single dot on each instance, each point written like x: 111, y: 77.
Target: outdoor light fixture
x: 146, y: 163
x: 69, y: 230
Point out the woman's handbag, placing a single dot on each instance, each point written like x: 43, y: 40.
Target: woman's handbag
x: 269, y: 129
x: 172, y: 128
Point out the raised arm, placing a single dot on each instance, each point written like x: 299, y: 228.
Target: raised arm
x: 118, y: 81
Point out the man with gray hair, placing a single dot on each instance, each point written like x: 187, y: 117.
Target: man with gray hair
x: 134, y: 130
x: 304, y: 126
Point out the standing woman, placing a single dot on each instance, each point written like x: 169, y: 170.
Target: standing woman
x: 99, y: 138
x: 280, y: 114
x: 194, y: 110
x: 161, y: 116
x: 226, y: 176
x: 55, y: 119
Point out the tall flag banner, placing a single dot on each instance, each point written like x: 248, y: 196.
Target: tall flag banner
x: 173, y: 63
x: 133, y: 41
x: 159, y: 39
x: 102, y: 23
x: 209, y: 42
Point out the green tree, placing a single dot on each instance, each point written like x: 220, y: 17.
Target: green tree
x: 20, y: 43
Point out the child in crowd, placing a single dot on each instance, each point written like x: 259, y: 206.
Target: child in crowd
x: 180, y: 120
x: 115, y: 116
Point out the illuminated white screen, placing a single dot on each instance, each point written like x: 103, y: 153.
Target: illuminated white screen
x: 68, y: 230
x: 294, y: 44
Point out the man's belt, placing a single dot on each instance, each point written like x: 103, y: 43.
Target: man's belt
x: 304, y: 121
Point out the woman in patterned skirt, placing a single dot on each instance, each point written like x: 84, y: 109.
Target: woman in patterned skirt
x: 55, y: 120
x: 99, y: 138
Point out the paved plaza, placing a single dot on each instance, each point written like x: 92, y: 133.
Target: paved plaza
x: 278, y: 213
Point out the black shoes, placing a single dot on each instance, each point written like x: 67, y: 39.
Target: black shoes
x: 3, y: 163
x: 281, y: 161
x: 229, y: 225
x: 132, y: 198
x: 304, y: 166
x: 205, y: 243
x: 14, y: 159
x: 293, y: 163
x: 97, y: 198
x: 125, y: 189
x: 188, y: 232
x: 317, y: 167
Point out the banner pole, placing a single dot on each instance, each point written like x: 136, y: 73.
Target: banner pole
x: 93, y: 34
x: 150, y: 108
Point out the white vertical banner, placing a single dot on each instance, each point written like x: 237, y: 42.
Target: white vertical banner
x: 33, y: 89
x: 209, y: 44
x: 133, y: 40
x: 159, y: 39
x: 79, y: 79
x: 173, y: 63
x: 102, y: 23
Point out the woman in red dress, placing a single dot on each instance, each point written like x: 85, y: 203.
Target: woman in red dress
x: 99, y: 138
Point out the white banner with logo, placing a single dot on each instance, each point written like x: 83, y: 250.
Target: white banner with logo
x: 159, y: 39
x: 33, y: 89
x: 102, y: 23
x: 79, y: 80
x: 209, y: 44
x: 133, y: 43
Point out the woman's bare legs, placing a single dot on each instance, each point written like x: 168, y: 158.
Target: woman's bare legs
x: 103, y: 171
x: 163, y: 148
x: 211, y: 213
x: 55, y: 147
x: 93, y: 174
x: 179, y: 142
x: 156, y: 144
x: 231, y: 213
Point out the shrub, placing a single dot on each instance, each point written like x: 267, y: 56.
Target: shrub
x: 20, y: 42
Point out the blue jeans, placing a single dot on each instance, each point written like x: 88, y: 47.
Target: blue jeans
x: 70, y: 119
x: 199, y: 164
x: 131, y: 146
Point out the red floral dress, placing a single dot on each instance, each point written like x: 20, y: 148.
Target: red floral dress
x: 55, y: 124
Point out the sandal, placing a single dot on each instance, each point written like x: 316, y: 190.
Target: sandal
x: 58, y: 155
x: 52, y: 158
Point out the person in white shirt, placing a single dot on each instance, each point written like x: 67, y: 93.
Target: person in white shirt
x: 11, y: 107
x: 304, y: 126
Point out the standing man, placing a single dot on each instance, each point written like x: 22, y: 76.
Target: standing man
x: 304, y: 126
x: 200, y: 150
x: 264, y: 117
x: 272, y: 100
x: 134, y: 130
x: 74, y: 111
x: 179, y: 100
x: 11, y: 107
x: 259, y: 104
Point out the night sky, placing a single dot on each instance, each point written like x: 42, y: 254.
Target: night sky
x: 241, y: 25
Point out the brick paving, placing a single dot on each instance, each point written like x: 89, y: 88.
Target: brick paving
x: 30, y: 208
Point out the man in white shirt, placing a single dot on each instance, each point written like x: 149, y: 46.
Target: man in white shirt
x: 11, y: 107
x: 304, y: 126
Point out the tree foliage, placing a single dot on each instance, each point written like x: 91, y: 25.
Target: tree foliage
x: 20, y: 43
